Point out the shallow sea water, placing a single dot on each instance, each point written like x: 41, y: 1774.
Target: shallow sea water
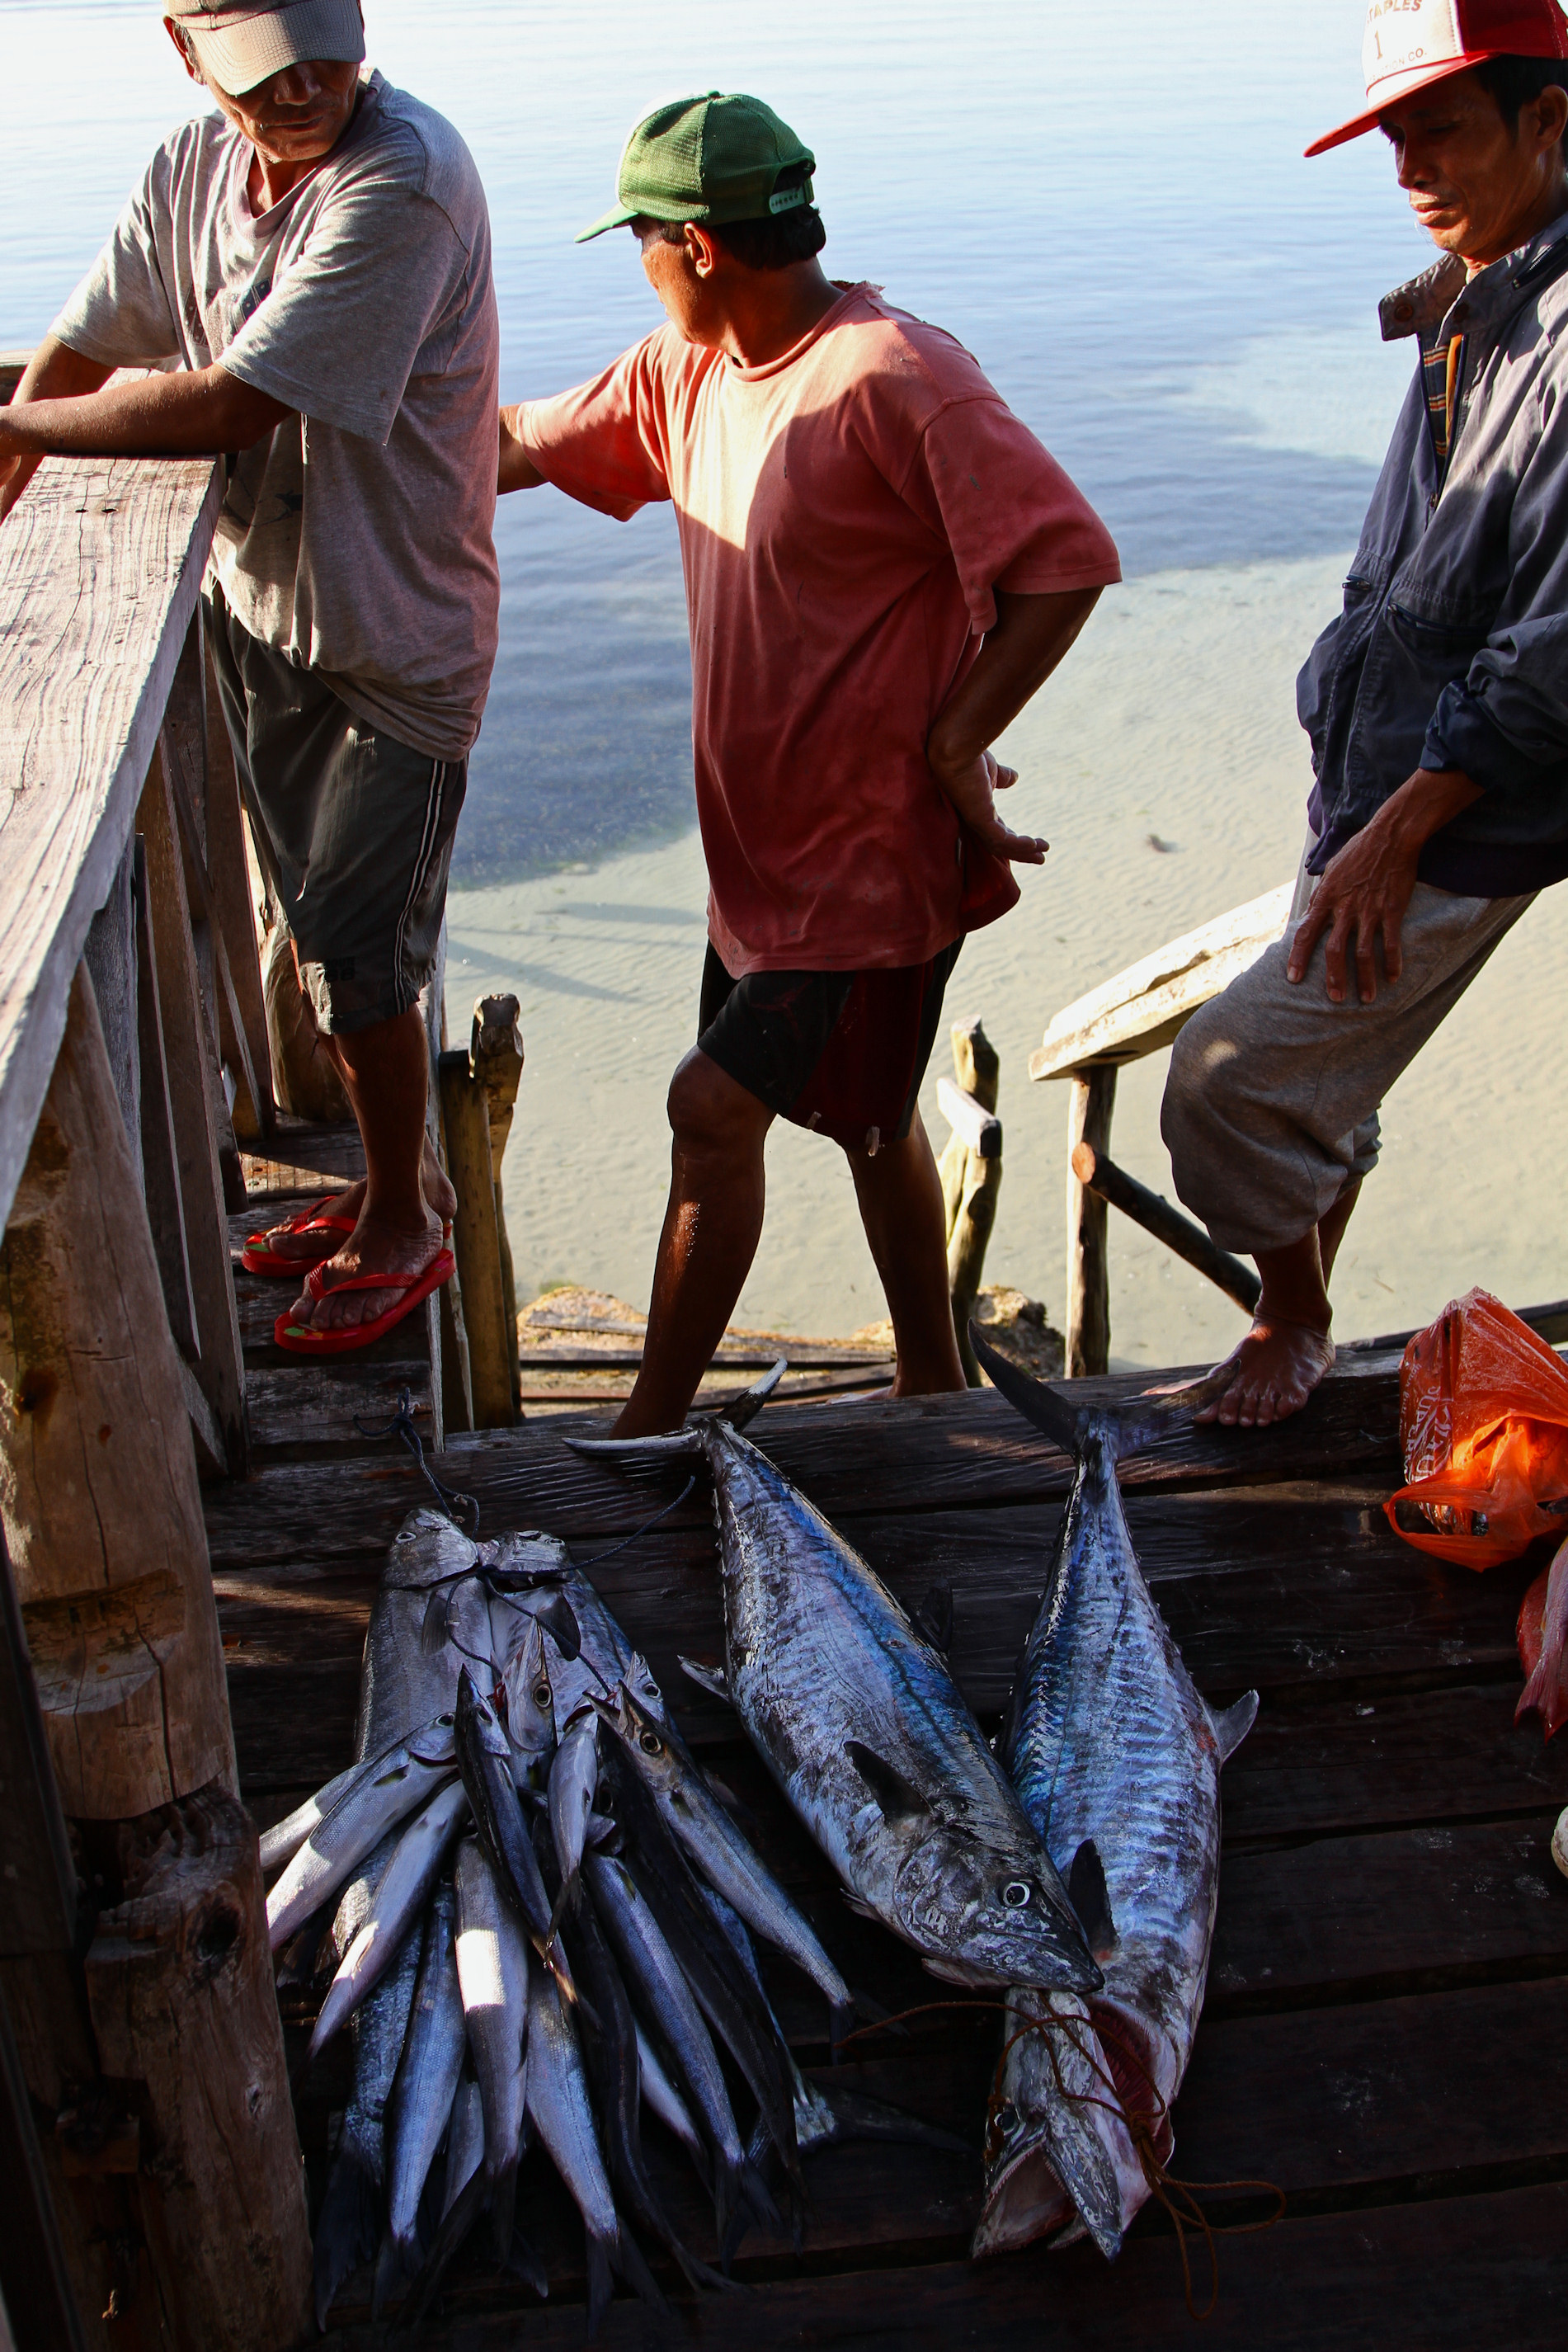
x: 1114, y: 214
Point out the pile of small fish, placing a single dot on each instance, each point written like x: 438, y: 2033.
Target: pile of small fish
x: 534, y: 1912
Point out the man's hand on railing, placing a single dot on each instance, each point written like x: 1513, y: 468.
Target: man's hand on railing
x: 60, y: 410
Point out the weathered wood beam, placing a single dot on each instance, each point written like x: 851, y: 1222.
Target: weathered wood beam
x: 99, y: 1499
x: 39, y: 1911
x: 1145, y: 1006
x: 1089, y: 1114
x: 110, y: 959
x: 180, y: 1991
x: 495, y: 1059
x: 196, y: 1101
x: 100, y: 566
x: 1157, y: 1216
x: 234, y: 910
x: 492, y: 1351
x: 39, y: 2301
x: 160, y: 1156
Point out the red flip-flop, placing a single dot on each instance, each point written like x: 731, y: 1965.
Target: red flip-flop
x: 302, y: 1340
x: 257, y: 1260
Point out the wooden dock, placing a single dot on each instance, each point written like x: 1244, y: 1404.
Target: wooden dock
x: 1387, y: 2031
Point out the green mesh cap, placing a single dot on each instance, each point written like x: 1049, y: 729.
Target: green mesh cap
x: 711, y: 159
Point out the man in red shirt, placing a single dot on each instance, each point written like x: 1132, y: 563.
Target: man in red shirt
x: 858, y: 508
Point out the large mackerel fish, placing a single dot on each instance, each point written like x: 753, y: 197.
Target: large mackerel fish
x: 1117, y: 1757
x: 429, y: 1619
x: 862, y: 1726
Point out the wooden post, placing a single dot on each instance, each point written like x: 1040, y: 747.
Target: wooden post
x: 1089, y: 1114
x: 495, y: 1057
x: 110, y: 959
x: 179, y: 1983
x: 465, y: 1118
x: 971, y: 1173
x: 200, y: 1118
x: 234, y: 908
x: 99, y: 1497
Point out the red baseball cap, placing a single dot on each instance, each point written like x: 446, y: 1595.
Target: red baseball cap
x: 1409, y: 43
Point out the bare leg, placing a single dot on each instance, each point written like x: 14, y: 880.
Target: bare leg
x: 900, y: 1195
x: 712, y: 1226
x: 1288, y: 1350
x: 386, y: 1070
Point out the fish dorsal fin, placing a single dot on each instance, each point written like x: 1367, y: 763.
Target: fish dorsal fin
x: 560, y: 1621
x: 1232, y: 1725
x: 709, y: 1678
x: 897, y: 1797
x: 1088, y: 1894
x: 932, y: 1621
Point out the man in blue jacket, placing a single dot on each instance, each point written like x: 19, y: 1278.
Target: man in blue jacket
x: 1436, y: 703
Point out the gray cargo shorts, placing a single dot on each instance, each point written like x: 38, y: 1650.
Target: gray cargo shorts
x: 352, y: 829
x: 1270, y: 1107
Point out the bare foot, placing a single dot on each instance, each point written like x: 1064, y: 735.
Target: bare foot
x: 438, y: 1193
x: 370, y: 1248
x: 1273, y: 1372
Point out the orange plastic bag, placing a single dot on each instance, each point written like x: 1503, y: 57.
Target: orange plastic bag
x: 1483, y: 1427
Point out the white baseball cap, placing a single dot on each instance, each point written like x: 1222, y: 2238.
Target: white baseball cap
x: 240, y: 44
x: 1409, y: 43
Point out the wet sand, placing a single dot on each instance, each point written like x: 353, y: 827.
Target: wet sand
x: 1174, y: 718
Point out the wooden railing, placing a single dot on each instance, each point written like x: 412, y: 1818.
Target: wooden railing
x: 1143, y: 1009
x: 138, y: 2020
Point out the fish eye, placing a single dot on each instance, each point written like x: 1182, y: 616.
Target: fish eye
x: 541, y: 1694
x: 1015, y: 1893
x: 652, y: 1687
x: 1007, y: 2116
x: 447, y: 1719
x: 650, y: 1743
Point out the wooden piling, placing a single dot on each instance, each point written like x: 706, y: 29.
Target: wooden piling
x: 1090, y: 1109
x: 495, y: 1059
x: 492, y: 1349
x: 971, y: 1173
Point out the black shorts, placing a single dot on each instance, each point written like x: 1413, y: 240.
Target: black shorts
x: 843, y: 1053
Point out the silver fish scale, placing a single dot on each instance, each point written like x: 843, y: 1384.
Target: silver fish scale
x: 1147, y: 1789
x: 819, y: 1654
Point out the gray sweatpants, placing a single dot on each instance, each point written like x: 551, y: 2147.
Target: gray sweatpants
x: 1270, y: 1108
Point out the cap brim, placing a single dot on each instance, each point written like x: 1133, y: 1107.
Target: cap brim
x: 240, y: 57
x: 622, y: 217
x: 1407, y: 86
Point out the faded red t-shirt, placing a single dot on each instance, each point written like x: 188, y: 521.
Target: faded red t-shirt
x: 845, y: 513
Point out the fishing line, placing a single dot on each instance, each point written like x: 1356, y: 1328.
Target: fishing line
x: 638, y: 1533
x: 402, y: 1425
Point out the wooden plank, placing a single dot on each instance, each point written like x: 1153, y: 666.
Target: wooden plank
x: 981, y: 1129
x: 1088, y: 1335
x: 917, y: 1455
x: 38, y: 2297
x: 160, y: 1152
x: 232, y: 904
x: 195, y: 1097
x: 492, y: 1346
x: 111, y: 957
x: 100, y: 566
x: 1143, y: 1007
x: 304, y: 1160
x: 323, y: 1403
x: 1447, y: 2274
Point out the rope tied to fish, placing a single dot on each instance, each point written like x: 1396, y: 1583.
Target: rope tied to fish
x: 1178, y: 2196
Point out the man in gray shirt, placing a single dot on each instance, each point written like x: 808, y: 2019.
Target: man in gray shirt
x: 308, y: 270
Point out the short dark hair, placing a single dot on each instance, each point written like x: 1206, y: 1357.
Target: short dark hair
x: 776, y: 242
x: 1514, y: 82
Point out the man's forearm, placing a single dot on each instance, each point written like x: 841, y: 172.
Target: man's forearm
x: 1031, y: 637
x: 193, y: 412
x: 516, y: 469
x: 1423, y: 804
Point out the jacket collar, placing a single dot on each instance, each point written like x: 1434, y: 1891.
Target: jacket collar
x: 1443, y: 295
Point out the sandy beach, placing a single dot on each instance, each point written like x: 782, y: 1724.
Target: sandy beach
x: 1174, y: 722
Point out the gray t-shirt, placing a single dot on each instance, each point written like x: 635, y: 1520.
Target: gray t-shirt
x: 358, y: 538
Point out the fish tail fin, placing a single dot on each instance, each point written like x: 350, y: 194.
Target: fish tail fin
x: 1124, y: 1427
x: 346, y: 2232
x: 504, y: 2206
x: 627, y: 2257
x: 600, y: 2285
x: 639, y: 1449
x: 1232, y: 1724
x: 523, y: 2263
x: 738, y: 1410
x: 858, y: 2117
